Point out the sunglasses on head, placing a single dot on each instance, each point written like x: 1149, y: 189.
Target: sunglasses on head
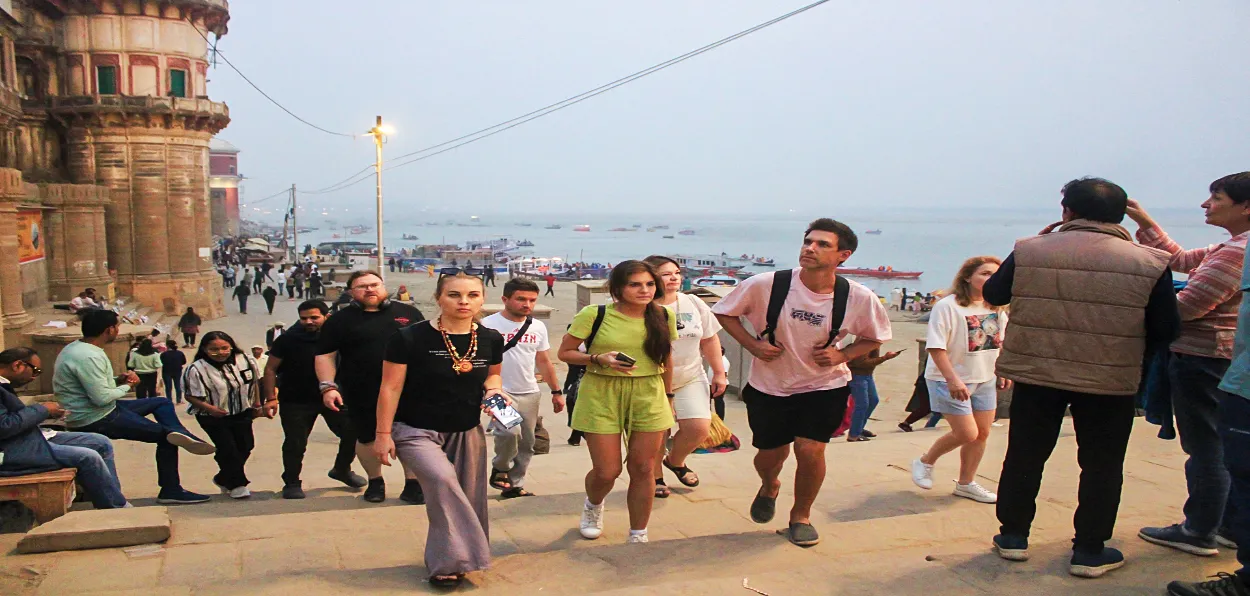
x: 474, y: 271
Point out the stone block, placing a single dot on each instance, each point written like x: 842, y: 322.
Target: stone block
x: 98, y: 528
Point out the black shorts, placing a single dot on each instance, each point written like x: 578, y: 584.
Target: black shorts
x: 777, y: 420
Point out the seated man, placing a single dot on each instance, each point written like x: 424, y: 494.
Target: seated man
x: 85, y: 386
x: 82, y: 303
x: 27, y: 449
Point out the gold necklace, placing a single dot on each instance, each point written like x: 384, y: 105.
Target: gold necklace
x: 460, y: 364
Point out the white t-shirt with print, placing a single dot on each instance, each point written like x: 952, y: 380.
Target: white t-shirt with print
x: 802, y: 327
x: 695, y: 323
x: 972, y: 337
x: 518, y: 363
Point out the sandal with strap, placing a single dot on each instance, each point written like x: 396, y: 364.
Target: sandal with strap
x: 447, y: 581
x: 499, y: 479
x: 661, y: 489
x: 515, y: 492
x: 683, y: 474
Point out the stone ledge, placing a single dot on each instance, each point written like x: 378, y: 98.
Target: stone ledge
x: 98, y: 528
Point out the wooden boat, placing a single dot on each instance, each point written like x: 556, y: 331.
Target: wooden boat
x: 581, y: 228
x: 713, y: 281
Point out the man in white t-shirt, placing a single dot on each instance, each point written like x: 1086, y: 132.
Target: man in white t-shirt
x: 525, y: 349
x: 798, y: 386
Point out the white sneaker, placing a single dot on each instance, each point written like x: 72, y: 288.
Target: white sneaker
x: 240, y: 492
x: 976, y: 492
x: 921, y: 474
x: 640, y: 538
x: 592, y: 520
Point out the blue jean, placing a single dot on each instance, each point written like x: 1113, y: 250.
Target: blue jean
x: 92, y: 455
x: 1235, y: 431
x: 173, y: 384
x: 864, y: 392
x: 1196, y: 400
x: 128, y: 421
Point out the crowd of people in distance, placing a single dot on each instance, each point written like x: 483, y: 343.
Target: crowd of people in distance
x: 1068, y: 320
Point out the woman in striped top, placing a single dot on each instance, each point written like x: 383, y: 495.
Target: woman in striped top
x: 1199, y: 358
x: 221, y: 385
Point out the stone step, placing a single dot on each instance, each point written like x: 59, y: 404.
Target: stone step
x: 98, y: 528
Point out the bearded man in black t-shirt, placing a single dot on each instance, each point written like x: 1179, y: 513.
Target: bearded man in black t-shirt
x: 349, y: 369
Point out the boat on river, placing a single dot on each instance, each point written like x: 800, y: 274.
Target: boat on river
x: 581, y: 228
x: 716, y: 281
x: 878, y: 273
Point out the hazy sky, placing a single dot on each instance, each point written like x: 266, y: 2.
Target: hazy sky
x: 854, y: 105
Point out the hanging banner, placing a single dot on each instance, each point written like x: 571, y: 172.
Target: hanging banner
x: 30, y: 238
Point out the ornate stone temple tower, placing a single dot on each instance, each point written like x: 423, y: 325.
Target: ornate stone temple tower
x: 134, y: 116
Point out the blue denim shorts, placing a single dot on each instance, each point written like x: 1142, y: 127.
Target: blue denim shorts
x: 984, y: 398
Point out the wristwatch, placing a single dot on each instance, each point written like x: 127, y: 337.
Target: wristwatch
x: 325, y: 386
x: 557, y: 392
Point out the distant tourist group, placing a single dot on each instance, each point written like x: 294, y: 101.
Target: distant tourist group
x: 1089, y: 310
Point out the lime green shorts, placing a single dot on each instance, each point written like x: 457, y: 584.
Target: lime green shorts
x: 612, y: 405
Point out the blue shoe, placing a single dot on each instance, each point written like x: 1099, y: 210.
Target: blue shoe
x: 1092, y: 564
x: 1175, y: 536
x: 1224, y: 538
x: 1011, y: 547
x: 1224, y: 584
x: 180, y: 496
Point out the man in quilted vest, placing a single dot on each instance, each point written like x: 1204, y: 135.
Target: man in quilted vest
x: 1085, y: 302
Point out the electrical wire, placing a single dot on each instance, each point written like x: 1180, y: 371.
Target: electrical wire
x: 491, y: 131
x: 285, y: 191
x: 339, y: 185
x: 262, y: 91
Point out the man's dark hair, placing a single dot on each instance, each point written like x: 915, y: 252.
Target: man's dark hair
x: 359, y: 274
x: 519, y: 285
x: 96, y: 322
x: 846, y: 236
x: 1236, y: 186
x: 12, y: 355
x: 311, y: 304
x: 1095, y: 199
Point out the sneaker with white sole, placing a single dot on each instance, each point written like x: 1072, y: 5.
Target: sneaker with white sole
x: 240, y: 492
x: 922, y: 474
x: 976, y: 492
x: 592, y: 520
x: 637, y: 538
x: 189, y: 442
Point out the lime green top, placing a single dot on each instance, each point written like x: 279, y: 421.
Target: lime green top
x: 618, y: 333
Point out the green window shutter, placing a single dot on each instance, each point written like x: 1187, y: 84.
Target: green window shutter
x: 178, y: 83
x: 106, y: 80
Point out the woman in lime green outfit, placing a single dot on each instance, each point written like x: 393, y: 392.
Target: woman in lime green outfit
x: 619, y: 398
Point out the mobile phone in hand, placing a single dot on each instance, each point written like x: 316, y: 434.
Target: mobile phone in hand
x: 504, y: 414
x: 624, y: 358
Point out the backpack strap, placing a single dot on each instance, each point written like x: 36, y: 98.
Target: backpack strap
x: 594, y: 329
x: 841, y: 292
x: 776, y: 300
x: 520, y: 333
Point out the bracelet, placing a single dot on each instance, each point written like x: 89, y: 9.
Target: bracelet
x: 381, y: 432
x: 557, y: 392
x: 593, y: 360
x: 671, y: 395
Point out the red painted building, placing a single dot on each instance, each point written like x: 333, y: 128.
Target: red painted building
x: 223, y: 187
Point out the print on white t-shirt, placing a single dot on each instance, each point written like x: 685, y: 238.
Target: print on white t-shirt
x: 695, y: 323
x: 518, y: 363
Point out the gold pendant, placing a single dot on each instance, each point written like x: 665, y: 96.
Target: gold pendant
x: 463, y: 366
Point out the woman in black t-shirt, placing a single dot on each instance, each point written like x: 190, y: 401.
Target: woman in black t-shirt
x: 435, y: 375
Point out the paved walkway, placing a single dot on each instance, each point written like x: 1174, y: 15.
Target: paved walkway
x: 881, y: 535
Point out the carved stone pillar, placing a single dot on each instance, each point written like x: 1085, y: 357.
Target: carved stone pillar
x: 77, y: 250
x: 16, y: 320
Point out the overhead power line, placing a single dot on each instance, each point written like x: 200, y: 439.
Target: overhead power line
x: 285, y: 191
x: 257, y: 87
x: 340, y: 185
x: 491, y: 131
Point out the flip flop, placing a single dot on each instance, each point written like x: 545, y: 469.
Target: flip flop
x: 515, y: 492
x: 763, y: 508
x: 681, y: 472
x: 447, y: 581
x: 499, y: 479
x: 801, y: 534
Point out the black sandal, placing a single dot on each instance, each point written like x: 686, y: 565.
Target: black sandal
x: 661, y: 489
x: 682, y: 473
x: 499, y: 479
x: 447, y: 581
x: 515, y: 492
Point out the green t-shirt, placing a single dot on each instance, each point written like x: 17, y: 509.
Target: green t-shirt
x: 618, y: 333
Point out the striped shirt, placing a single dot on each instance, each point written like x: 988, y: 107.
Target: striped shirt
x: 228, y: 387
x: 1208, y: 305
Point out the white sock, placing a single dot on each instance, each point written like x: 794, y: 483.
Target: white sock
x: 590, y: 505
x: 642, y: 532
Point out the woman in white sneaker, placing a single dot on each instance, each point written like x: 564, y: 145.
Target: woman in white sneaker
x: 222, y: 385
x: 696, y: 341
x: 964, y: 339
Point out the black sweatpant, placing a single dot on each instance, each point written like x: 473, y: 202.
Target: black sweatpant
x: 1103, y: 424
x: 147, y: 386
x: 297, y: 423
x: 232, y: 435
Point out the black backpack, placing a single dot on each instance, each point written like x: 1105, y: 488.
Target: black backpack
x: 577, y: 370
x: 777, y: 300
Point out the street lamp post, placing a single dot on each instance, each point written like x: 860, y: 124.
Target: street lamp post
x: 379, y: 132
